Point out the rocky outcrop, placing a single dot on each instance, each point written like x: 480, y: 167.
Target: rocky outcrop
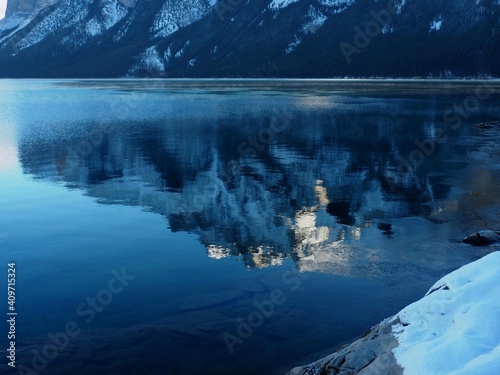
x: 371, y: 354
x: 483, y: 238
x: 26, y: 6
x: 489, y: 125
x: 19, y: 13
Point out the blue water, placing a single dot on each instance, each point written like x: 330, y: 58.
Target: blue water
x: 216, y: 197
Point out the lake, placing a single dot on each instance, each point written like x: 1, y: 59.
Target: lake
x: 232, y: 226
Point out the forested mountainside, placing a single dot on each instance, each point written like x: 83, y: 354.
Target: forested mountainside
x: 252, y: 38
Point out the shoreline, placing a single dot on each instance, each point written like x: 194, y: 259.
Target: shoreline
x: 371, y: 351
x: 394, y: 344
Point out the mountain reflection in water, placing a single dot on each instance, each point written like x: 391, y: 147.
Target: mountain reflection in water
x: 321, y: 179
x: 264, y: 177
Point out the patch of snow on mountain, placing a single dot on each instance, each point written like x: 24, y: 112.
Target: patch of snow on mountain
x: 172, y: 17
x: 436, y: 24
x: 315, y: 19
x: 79, y: 17
x: 62, y: 17
x: 152, y: 60
x: 291, y: 47
x: 112, y: 11
x: 79, y: 36
x: 280, y: 4
x: 399, y: 7
x: 337, y: 5
x: 149, y: 61
x: 455, y: 328
x: 93, y: 27
x: 181, y: 51
x: 167, y: 55
x: 387, y: 29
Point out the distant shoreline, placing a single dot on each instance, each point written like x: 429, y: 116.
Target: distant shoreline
x: 335, y: 79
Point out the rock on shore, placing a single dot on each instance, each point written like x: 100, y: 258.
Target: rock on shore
x: 483, y: 238
x: 371, y: 354
x: 489, y: 125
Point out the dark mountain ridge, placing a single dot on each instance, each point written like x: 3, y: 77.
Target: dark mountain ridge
x: 254, y: 38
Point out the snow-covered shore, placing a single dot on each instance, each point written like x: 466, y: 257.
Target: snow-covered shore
x: 453, y: 329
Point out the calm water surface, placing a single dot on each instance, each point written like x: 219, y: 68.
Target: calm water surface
x: 341, y: 201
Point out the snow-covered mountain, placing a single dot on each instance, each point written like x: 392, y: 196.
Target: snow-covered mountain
x: 250, y: 38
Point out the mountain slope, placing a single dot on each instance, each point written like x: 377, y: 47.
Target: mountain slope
x: 255, y: 38
x: 27, y: 6
x: 19, y: 13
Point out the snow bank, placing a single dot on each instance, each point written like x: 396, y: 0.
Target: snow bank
x: 455, y: 328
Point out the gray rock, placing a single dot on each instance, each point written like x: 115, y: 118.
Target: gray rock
x: 489, y: 125
x: 369, y: 355
x: 483, y: 238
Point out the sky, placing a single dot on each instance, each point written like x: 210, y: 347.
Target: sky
x: 3, y: 5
